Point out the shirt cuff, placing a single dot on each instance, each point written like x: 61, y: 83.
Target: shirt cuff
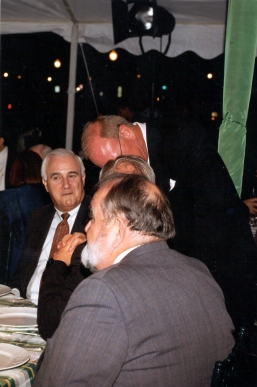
x: 16, y: 292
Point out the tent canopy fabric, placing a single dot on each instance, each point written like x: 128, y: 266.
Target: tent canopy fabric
x: 240, y: 52
x: 200, y: 24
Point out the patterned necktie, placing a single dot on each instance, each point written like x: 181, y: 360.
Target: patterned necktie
x: 61, y: 230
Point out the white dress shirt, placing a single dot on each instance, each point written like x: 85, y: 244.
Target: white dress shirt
x: 143, y: 130
x: 123, y: 255
x: 34, y: 283
x: 3, y: 162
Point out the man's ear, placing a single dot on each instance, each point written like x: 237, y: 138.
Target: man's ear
x: 126, y: 132
x: 45, y: 184
x: 119, y: 232
x: 84, y: 179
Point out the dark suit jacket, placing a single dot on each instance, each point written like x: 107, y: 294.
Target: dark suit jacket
x: 18, y: 204
x: 155, y: 151
x: 157, y: 318
x: 37, y: 231
x: 4, y: 243
x: 211, y: 222
x: 10, y: 159
x: 57, y: 284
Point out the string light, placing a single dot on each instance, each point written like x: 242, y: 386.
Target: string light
x: 113, y: 55
x: 57, y: 63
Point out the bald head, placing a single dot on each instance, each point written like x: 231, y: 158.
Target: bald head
x: 111, y: 136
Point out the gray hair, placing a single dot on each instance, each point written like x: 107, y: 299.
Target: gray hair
x: 138, y: 166
x: 146, y: 208
x: 61, y: 152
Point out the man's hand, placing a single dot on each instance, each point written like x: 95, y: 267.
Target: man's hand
x: 71, y: 241
x: 64, y: 255
x: 252, y: 205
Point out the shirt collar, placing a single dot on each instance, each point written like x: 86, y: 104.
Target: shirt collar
x: 72, y: 212
x: 123, y: 255
x: 143, y: 130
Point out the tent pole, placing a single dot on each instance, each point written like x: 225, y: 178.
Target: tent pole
x: 72, y: 85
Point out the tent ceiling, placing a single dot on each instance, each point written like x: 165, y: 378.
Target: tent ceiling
x: 200, y: 24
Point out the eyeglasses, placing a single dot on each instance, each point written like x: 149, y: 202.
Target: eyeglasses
x: 120, y: 144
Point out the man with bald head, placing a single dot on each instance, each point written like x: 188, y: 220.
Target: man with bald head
x: 211, y: 221
x: 149, y: 316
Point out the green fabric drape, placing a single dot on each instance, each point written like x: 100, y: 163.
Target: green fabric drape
x: 240, y: 51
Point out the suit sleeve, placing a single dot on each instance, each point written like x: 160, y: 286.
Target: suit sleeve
x: 58, y: 283
x: 90, y: 345
x: 16, y: 280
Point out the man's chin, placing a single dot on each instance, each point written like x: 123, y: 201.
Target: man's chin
x: 87, y: 260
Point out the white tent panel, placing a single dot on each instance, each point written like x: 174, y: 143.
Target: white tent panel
x: 200, y: 25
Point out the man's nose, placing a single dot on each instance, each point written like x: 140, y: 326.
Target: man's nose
x: 65, y: 182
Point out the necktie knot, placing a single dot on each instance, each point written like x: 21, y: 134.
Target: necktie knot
x: 65, y: 216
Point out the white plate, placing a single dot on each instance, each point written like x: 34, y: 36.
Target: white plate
x: 4, y: 290
x: 18, y: 317
x: 12, y: 356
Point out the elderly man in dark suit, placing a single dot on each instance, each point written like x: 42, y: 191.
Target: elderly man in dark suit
x: 212, y: 223
x: 55, y: 292
x: 150, y: 316
x: 63, y: 175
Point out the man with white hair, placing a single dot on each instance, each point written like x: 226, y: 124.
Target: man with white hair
x: 55, y: 292
x: 149, y: 316
x: 63, y: 175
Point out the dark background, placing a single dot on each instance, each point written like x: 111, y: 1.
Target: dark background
x: 34, y: 104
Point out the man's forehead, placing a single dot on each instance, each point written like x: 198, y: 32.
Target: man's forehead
x: 60, y: 163
x: 102, y: 150
x: 100, y: 195
x: 96, y: 128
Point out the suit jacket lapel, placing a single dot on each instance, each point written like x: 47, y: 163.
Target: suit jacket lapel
x: 82, y: 216
x: 155, y: 147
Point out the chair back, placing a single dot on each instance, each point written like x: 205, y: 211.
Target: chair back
x: 5, y: 247
x: 226, y: 373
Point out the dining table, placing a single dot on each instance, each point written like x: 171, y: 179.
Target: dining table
x: 20, y: 343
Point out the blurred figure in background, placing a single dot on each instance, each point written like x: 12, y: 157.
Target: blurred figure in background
x: 41, y: 149
x: 4, y: 240
x: 29, y: 138
x: 7, y: 157
x: 20, y: 201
